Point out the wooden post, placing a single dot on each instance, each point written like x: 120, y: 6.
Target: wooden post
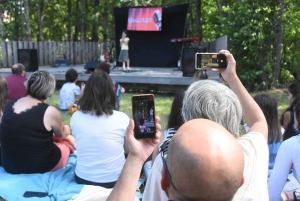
x: 15, y: 50
x: 9, y: 53
x: 41, y: 53
x: 4, y: 54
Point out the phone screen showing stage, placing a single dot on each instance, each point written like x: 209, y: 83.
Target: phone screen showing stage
x: 144, y: 116
x: 211, y: 61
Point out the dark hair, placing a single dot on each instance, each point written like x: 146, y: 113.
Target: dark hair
x: 98, y: 96
x: 200, y: 75
x: 4, y: 98
x: 297, y: 111
x: 268, y: 105
x: 142, y: 121
x: 175, y: 118
x: 125, y: 32
x: 71, y: 75
x: 103, y: 66
x: 17, y: 69
x: 294, y: 89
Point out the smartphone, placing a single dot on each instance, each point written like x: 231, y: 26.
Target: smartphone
x: 210, y: 60
x: 143, y: 114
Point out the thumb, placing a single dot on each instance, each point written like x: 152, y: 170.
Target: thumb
x: 130, y: 128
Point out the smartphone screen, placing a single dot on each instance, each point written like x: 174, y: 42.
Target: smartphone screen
x: 143, y: 112
x: 210, y: 60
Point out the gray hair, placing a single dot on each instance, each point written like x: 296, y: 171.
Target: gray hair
x: 41, y: 85
x: 214, y: 101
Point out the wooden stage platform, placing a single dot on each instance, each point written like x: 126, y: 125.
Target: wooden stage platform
x: 140, y: 78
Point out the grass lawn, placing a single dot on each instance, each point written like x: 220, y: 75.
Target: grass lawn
x: 163, y: 105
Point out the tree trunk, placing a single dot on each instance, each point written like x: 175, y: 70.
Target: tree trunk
x: 69, y: 20
x: 105, y: 22
x: 40, y: 14
x: 2, y: 24
x: 81, y: 21
x: 112, y: 25
x: 199, y: 19
x: 86, y: 24
x: 95, y: 37
x: 277, y: 45
x: 27, y: 20
x: 75, y: 38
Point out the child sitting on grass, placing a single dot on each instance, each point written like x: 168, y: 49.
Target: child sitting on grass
x: 70, y: 90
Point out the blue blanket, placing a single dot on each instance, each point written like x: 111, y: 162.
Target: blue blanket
x: 60, y: 185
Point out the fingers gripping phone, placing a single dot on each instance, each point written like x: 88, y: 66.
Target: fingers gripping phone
x: 143, y: 113
x: 210, y: 60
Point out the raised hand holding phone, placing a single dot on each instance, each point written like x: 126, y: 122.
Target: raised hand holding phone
x: 231, y: 66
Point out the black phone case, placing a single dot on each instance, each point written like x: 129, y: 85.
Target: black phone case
x: 29, y: 194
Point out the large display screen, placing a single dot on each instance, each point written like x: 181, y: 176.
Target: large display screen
x: 144, y: 19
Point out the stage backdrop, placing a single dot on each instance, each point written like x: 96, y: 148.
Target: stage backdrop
x: 153, y: 48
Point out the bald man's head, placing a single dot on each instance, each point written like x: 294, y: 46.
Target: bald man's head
x: 205, y: 162
x: 18, y: 69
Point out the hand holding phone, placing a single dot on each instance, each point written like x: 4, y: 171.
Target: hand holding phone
x: 143, y: 113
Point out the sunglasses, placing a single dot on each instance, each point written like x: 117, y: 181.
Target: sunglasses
x: 167, y: 170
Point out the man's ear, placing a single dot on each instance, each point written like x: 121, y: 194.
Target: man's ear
x: 165, y: 183
x: 242, y: 181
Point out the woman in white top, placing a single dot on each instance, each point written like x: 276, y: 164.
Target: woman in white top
x: 99, y: 131
x: 124, y: 56
x: 288, y: 157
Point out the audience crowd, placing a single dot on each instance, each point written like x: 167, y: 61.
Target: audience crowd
x: 201, y: 155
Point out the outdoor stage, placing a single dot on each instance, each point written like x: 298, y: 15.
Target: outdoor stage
x: 140, y: 78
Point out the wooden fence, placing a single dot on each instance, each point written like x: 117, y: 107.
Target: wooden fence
x: 48, y: 52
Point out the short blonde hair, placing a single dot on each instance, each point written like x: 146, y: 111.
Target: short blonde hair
x: 41, y: 85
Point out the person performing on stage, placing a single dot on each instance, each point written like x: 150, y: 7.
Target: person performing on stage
x: 124, y: 57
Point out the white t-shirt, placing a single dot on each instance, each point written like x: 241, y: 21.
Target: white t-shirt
x: 288, y: 157
x: 99, y: 145
x: 124, y: 46
x: 67, y: 95
x: 256, y: 155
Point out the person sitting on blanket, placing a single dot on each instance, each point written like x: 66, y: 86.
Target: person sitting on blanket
x: 99, y: 131
x: 69, y: 91
x: 33, y: 136
x: 288, y: 157
x: 193, y: 169
x: 117, y: 87
x: 212, y: 100
x: 4, y: 99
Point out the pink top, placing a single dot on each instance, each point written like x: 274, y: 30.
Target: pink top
x: 16, y: 86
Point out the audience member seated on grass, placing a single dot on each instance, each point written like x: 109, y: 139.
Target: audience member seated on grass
x: 4, y: 99
x: 214, y: 101
x: 70, y: 90
x: 99, y: 131
x: 117, y: 87
x: 268, y: 105
x: 193, y: 169
x: 174, y: 122
x: 33, y: 136
x: 288, y: 157
x: 287, y: 118
x: 16, y: 82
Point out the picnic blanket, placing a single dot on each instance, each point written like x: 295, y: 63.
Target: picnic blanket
x: 60, y: 185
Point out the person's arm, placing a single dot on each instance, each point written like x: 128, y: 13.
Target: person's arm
x: 126, y: 41
x: 251, y: 111
x: 286, y: 119
x: 122, y: 90
x: 281, y: 169
x: 53, y: 121
x: 139, y: 151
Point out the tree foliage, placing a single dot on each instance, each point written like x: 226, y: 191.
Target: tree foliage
x: 265, y: 35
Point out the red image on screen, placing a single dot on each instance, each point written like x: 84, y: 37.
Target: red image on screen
x: 144, y: 19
